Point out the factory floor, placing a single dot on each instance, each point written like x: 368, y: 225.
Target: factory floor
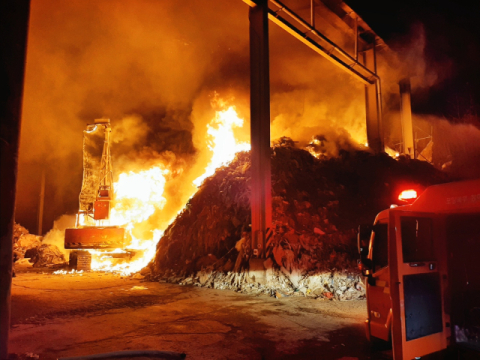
x: 71, y: 315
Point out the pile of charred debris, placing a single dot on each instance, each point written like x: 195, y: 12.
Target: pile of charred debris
x: 317, y: 207
x: 30, y: 249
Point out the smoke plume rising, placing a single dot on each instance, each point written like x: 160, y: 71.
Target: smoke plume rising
x: 154, y: 68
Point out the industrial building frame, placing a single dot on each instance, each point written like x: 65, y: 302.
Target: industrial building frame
x: 365, y: 71
x: 14, y: 16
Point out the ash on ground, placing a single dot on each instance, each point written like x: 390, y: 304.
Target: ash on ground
x: 317, y: 205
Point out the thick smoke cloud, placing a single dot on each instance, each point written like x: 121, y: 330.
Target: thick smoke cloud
x: 408, y: 59
x: 140, y: 63
x: 456, y: 147
x: 153, y: 68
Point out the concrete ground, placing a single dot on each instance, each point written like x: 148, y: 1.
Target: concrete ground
x: 71, y: 315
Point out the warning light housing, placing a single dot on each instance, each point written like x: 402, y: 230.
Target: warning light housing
x: 408, y: 195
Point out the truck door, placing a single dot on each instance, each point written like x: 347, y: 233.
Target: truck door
x: 378, y: 290
x: 416, y: 259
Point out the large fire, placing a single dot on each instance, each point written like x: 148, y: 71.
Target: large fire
x: 222, y: 142
x: 139, y: 195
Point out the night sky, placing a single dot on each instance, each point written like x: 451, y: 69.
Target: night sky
x: 452, y: 33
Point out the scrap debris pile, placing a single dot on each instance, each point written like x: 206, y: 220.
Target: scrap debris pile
x: 29, y: 246
x: 317, y: 206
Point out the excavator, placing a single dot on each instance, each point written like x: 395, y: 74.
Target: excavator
x: 92, y: 229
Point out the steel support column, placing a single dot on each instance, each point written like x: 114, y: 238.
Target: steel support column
x: 406, y: 118
x: 13, y: 37
x: 373, y: 101
x: 261, y: 196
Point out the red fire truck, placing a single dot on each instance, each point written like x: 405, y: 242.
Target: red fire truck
x: 422, y: 265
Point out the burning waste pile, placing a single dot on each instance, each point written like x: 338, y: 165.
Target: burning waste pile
x: 317, y: 205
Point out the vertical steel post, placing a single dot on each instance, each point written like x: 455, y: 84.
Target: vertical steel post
x: 261, y: 196
x: 13, y: 40
x: 373, y: 103
x: 406, y: 118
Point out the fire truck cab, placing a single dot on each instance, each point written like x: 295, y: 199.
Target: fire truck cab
x: 422, y: 266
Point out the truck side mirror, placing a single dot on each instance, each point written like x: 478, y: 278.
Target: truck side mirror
x: 363, y: 239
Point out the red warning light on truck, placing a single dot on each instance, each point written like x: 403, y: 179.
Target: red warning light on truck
x: 408, y: 195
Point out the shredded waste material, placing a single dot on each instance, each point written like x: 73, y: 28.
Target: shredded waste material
x: 46, y: 255
x: 29, y: 246
x: 317, y: 205
x: 24, y: 241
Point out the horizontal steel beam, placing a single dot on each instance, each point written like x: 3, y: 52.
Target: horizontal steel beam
x: 364, y: 75
x: 319, y: 48
x: 311, y: 29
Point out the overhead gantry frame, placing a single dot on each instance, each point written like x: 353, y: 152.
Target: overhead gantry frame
x: 364, y: 71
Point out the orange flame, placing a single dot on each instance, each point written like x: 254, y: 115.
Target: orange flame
x: 222, y: 142
x: 140, y: 195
